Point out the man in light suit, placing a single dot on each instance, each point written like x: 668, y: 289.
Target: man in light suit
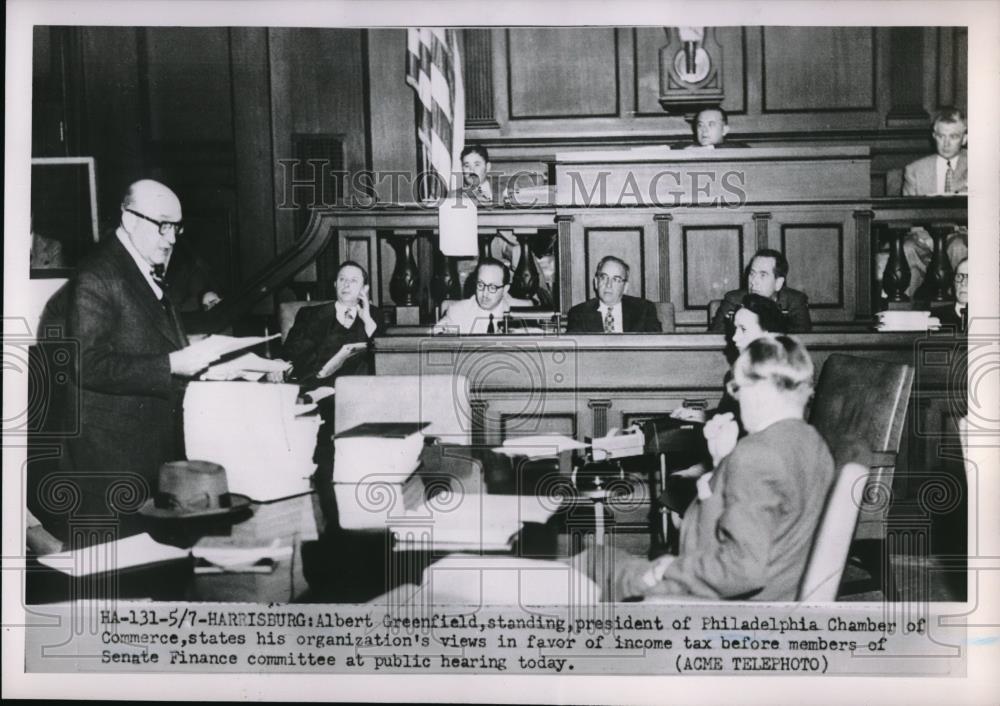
x: 612, y: 311
x: 134, y: 357
x: 748, y: 534
x: 942, y: 173
x: 766, y: 277
x: 483, y: 312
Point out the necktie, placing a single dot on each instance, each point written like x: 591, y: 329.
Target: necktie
x: 609, y: 322
x: 158, y: 273
x: 491, y: 328
x: 964, y: 314
x: 949, y: 176
x: 348, y: 317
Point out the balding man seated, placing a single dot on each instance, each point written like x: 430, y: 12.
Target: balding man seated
x: 748, y: 534
x: 613, y: 311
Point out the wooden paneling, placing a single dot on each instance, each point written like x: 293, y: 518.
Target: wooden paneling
x: 187, y: 70
x: 393, y: 131
x: 316, y: 88
x: 477, y: 77
x: 624, y: 243
x: 818, y: 68
x: 815, y: 254
x: 649, y: 40
x: 952, y: 66
x: 562, y: 73
x: 513, y: 425
x: 713, y: 263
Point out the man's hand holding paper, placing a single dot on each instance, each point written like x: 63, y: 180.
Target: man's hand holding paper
x: 339, y: 358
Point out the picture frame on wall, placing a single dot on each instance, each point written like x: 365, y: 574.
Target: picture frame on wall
x: 63, y: 214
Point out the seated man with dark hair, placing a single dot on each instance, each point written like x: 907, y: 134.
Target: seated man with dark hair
x: 766, y: 277
x: 475, y: 174
x: 613, y: 311
x: 710, y: 126
x: 325, y: 339
x: 483, y: 312
x: 749, y: 533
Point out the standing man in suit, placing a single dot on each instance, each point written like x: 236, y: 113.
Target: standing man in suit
x: 942, y: 173
x: 327, y: 340
x: 766, y: 277
x: 711, y: 125
x: 134, y: 355
x: 613, y: 311
x: 749, y: 533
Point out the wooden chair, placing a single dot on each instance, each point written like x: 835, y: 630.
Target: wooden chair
x: 713, y: 309
x: 864, y: 401
x: 833, y: 538
x: 666, y: 314
x: 288, y: 310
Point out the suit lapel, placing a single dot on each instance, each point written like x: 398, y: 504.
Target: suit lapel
x: 595, y: 316
x: 142, y: 294
x: 628, y: 316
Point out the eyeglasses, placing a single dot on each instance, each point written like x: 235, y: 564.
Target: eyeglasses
x: 165, y: 226
x: 961, y: 278
x: 491, y: 288
x: 604, y: 279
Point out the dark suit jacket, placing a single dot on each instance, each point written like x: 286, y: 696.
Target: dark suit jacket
x: 794, y: 303
x: 949, y: 317
x: 638, y: 316
x: 127, y: 401
x: 316, y: 336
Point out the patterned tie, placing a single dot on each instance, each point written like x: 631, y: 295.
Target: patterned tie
x: 348, y: 318
x: 609, y: 321
x: 949, y: 177
x: 158, y: 273
x: 491, y: 328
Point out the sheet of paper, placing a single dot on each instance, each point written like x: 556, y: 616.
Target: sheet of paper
x: 224, y: 345
x: 458, y: 225
x: 225, y: 552
x: 538, y: 446
x: 138, y: 550
x: 248, y: 366
x: 506, y: 580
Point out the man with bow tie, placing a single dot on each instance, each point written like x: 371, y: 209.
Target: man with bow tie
x: 134, y: 357
x: 331, y: 339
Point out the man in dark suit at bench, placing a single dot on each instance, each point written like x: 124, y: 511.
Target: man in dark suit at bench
x: 613, y: 311
x: 766, y: 277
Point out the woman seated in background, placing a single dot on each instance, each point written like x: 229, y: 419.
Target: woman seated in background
x: 756, y: 317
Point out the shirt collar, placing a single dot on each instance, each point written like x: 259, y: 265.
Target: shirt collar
x: 145, y: 268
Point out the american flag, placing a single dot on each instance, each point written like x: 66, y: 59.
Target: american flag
x: 434, y: 71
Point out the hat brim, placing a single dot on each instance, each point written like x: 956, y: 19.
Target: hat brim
x: 237, y: 502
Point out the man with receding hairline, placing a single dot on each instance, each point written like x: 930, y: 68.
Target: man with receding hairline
x: 613, y: 311
x: 134, y: 354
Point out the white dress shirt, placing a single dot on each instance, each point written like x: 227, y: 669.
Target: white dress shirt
x: 342, y: 312
x: 467, y: 317
x: 616, y: 312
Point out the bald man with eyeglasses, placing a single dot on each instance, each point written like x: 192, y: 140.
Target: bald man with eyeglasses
x: 134, y: 356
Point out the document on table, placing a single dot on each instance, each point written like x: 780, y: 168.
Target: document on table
x: 138, y: 550
x: 539, y: 446
x: 502, y: 580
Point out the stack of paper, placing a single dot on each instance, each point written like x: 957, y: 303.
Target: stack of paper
x: 373, y: 472
x: 252, y: 431
x: 138, y: 550
x: 906, y: 321
x: 539, y: 446
x: 498, y: 580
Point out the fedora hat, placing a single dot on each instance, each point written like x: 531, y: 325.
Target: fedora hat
x: 192, y: 489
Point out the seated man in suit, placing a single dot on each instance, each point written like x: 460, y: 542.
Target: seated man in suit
x: 749, y: 533
x: 944, y: 172
x: 957, y: 314
x: 483, y: 312
x: 327, y: 340
x: 766, y: 277
x: 711, y: 125
x: 613, y: 311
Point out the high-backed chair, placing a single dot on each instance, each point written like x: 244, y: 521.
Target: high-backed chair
x: 833, y: 537
x: 713, y: 309
x: 860, y: 400
x: 288, y: 310
x: 667, y: 316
